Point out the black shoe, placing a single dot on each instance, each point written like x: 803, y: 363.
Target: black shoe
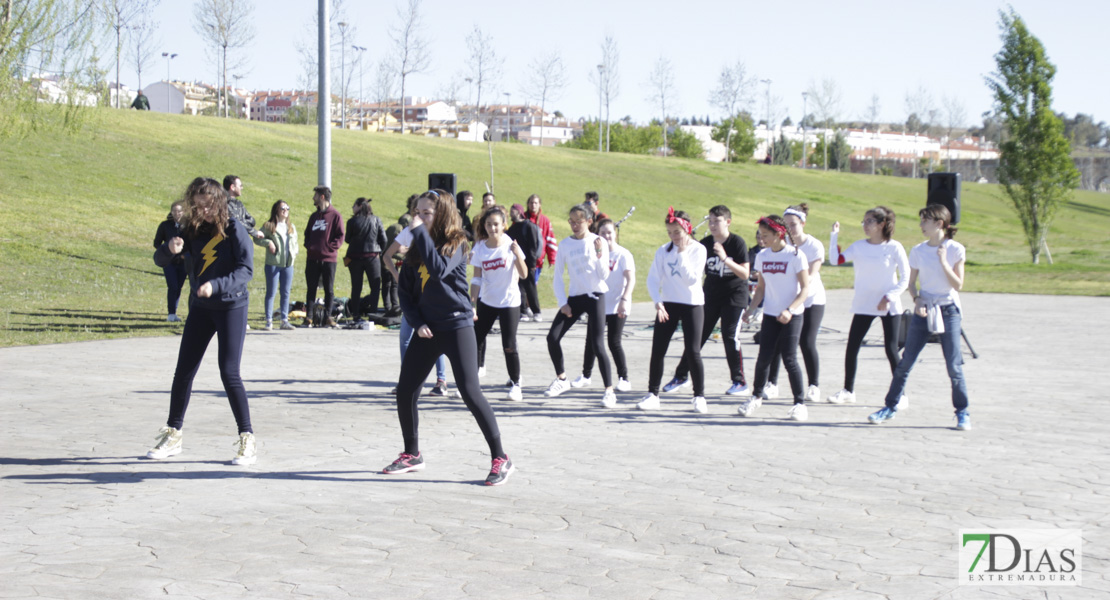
x: 440, y: 389
x: 499, y: 473
x: 405, y: 463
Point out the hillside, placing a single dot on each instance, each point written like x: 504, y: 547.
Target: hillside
x: 78, y: 213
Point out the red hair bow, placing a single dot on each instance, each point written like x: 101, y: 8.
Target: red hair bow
x: 683, y: 222
x: 773, y: 226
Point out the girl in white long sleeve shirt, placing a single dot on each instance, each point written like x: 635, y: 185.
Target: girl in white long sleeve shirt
x: 674, y: 283
x: 882, y: 273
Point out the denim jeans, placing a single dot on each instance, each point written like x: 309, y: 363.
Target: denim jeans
x: 406, y: 336
x: 274, y: 276
x: 916, y: 338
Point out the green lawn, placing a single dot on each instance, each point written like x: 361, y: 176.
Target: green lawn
x: 78, y: 213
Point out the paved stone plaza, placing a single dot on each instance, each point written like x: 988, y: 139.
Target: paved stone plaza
x: 605, y: 503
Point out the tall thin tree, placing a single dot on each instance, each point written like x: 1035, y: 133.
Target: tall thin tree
x: 826, y: 105
x: 662, y: 92
x: 121, y: 15
x: 410, y: 47
x: 871, y: 114
x: 734, y: 92
x: 227, y: 25
x: 483, y: 63
x: 547, y: 76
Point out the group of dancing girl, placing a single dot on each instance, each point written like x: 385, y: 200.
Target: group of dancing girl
x: 692, y: 283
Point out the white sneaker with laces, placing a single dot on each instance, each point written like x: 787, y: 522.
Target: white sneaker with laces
x: 481, y: 372
x: 515, y: 394
x: 798, y: 412
x: 841, y: 397
x: 813, y: 394
x: 557, y: 387
x: 581, y: 381
x: 700, y: 405
x: 648, y: 402
x: 609, y: 400
x: 169, y: 444
x: 748, y: 408
x: 623, y: 385
x: 248, y: 451
x: 771, y: 390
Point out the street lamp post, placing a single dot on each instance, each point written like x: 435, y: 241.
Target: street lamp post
x: 343, y: 75
x: 168, y: 57
x: 361, y: 107
x: 770, y: 140
x: 600, y: 87
x: 508, y: 116
x: 805, y: 97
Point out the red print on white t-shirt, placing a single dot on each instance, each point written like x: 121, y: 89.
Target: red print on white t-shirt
x: 774, y: 267
x: 494, y: 264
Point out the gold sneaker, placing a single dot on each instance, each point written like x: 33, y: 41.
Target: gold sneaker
x: 169, y: 444
x: 248, y: 453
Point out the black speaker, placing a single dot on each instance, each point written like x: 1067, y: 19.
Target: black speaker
x: 944, y: 188
x: 442, y: 181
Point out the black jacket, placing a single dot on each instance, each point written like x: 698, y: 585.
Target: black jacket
x: 435, y: 294
x: 239, y: 213
x: 166, y: 230
x: 528, y: 237
x: 225, y: 262
x: 365, y: 235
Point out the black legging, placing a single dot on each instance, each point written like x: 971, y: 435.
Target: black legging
x: 175, y: 279
x: 614, y: 329
x: 860, y: 325
x: 461, y: 349
x: 595, y: 334
x: 372, y: 267
x: 316, y: 271
x: 775, y: 340
x: 692, y: 318
x: 390, y: 297
x: 729, y: 316
x: 229, y: 327
x: 529, y: 297
x: 808, y: 343
x: 509, y: 318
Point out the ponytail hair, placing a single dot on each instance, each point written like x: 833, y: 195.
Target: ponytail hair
x: 939, y: 212
x: 885, y: 217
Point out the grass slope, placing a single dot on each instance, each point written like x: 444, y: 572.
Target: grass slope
x: 78, y: 213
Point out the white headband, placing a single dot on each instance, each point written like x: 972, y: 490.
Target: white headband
x: 797, y: 213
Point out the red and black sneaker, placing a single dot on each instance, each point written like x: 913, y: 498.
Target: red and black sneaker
x: 405, y: 463
x: 499, y: 473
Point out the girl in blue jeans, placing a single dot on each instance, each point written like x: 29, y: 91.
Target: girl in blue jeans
x: 279, y: 238
x: 938, y: 265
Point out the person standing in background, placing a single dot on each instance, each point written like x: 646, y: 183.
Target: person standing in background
x: 322, y: 238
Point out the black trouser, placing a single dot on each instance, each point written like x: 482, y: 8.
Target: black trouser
x: 692, y: 318
x: 372, y: 267
x: 614, y: 329
x: 729, y: 316
x: 461, y: 349
x: 594, y: 307
x: 229, y: 327
x: 860, y: 325
x: 510, y: 319
x: 808, y: 344
x: 529, y: 297
x: 316, y: 271
x: 775, y: 340
x: 175, y: 279
x: 390, y: 298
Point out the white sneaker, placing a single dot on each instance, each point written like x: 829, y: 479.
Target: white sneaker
x: 842, y: 397
x: 903, y: 404
x: 169, y: 444
x: 700, y: 405
x: 649, y: 402
x: 481, y: 372
x: 173, y: 319
x: 771, y: 390
x: 515, y: 394
x: 609, y: 400
x: 536, y: 318
x: 813, y: 394
x: 248, y: 451
x: 581, y: 381
x: 798, y: 412
x: 557, y: 387
x: 748, y: 408
x: 623, y: 385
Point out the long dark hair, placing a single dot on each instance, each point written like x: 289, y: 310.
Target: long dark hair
x: 480, y: 232
x: 885, y: 217
x: 446, y: 227
x: 939, y: 212
x: 217, y: 195
x: 362, y: 207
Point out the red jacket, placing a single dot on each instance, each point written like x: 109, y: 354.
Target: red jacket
x: 550, y: 244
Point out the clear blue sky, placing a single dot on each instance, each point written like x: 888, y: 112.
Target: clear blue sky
x: 866, y: 46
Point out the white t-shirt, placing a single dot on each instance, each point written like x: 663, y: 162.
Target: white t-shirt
x: 813, y: 251
x: 587, y: 270
x: 779, y: 271
x: 676, y: 276
x: 620, y: 260
x: 934, y: 283
x: 880, y: 270
x: 499, y: 288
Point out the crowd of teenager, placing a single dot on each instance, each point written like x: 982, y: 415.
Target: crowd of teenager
x: 419, y: 268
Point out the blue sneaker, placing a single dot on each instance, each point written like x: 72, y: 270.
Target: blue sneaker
x: 883, y: 414
x: 676, y: 384
x: 739, y: 388
x: 963, y: 420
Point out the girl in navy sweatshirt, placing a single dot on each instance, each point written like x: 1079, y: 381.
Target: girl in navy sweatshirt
x: 221, y: 270
x: 434, y: 299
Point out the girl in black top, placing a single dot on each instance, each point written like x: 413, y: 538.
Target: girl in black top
x: 175, y: 271
x: 365, y: 239
x: 434, y: 299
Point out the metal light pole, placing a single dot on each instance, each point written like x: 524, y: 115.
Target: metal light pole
x: 805, y: 97
x: 361, y: 107
x: 237, y: 78
x: 343, y: 75
x: 168, y: 57
x: 770, y: 141
x: 323, y: 95
x: 508, y: 117
x: 600, y: 87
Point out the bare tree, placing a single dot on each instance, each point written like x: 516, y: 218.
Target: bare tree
x: 120, y: 15
x: 141, y: 51
x: 547, y: 76
x: 919, y: 108
x: 734, y: 92
x: 662, y: 92
x: 955, y: 116
x: 410, y: 47
x: 484, y: 64
x: 871, y: 115
x: 227, y: 25
x: 826, y: 105
x: 385, y: 83
x: 607, y: 80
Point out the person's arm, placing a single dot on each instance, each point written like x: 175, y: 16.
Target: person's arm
x: 552, y: 244
x: 381, y: 235
x: 163, y: 256
x: 954, y: 273
x: 800, y: 299
x: 476, y: 285
x: 836, y: 258
x: 518, y: 263
x: 242, y: 270
x: 406, y: 281
x: 919, y: 307
x: 337, y: 234
x: 757, y: 298
x: 903, y: 266
x: 624, y: 305
x: 737, y: 268
x: 558, y: 285
x: 160, y: 235
x: 393, y: 249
